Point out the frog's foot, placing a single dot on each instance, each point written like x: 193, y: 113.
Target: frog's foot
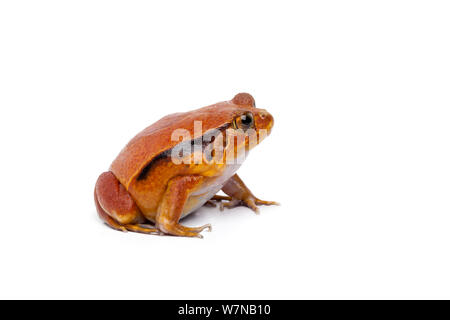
x: 180, y: 230
x: 250, y: 202
x: 142, y: 228
x: 212, y: 202
x: 240, y: 195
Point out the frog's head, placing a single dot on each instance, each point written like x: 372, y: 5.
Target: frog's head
x: 226, y: 130
x: 249, y: 126
x: 251, y: 117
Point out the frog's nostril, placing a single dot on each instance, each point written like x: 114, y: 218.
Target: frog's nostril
x: 263, y: 115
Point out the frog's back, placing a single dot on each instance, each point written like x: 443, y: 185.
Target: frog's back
x: 156, y: 139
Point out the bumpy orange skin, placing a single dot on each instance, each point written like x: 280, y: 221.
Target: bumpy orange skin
x: 169, y: 190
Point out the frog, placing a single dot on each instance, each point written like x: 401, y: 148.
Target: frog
x: 157, y: 180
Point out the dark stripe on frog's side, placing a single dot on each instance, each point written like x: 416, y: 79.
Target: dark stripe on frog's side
x: 144, y: 172
x: 167, y: 153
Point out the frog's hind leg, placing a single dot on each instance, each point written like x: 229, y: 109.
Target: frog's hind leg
x: 116, y: 207
x: 106, y: 218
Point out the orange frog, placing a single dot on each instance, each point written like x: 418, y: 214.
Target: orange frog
x: 158, y: 178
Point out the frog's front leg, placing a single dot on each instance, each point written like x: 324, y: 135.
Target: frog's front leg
x: 241, y: 195
x: 171, y: 207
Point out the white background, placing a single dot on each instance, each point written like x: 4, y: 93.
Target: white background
x: 359, y: 156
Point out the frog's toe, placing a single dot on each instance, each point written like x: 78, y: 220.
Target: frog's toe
x: 230, y: 204
x: 266, y: 203
x: 142, y: 228
x: 220, y: 198
x: 252, y: 205
x: 210, y: 203
x: 250, y: 202
x: 206, y: 227
x: 180, y: 230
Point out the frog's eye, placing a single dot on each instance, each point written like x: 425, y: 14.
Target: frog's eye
x: 245, y: 121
